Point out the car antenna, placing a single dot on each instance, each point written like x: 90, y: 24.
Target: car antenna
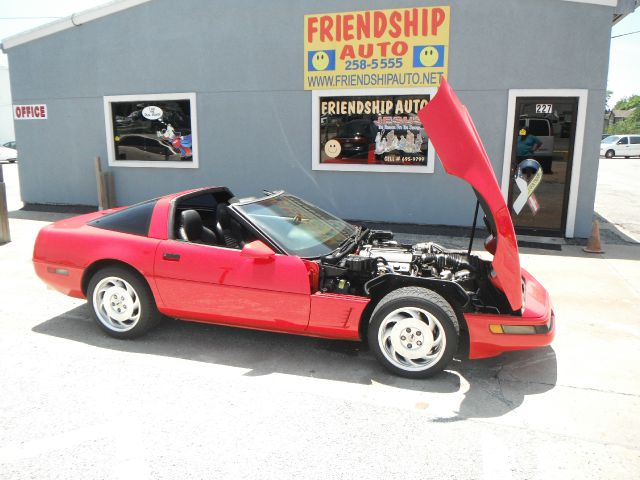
x: 473, y: 228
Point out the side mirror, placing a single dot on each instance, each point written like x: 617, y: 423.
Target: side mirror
x: 257, y: 250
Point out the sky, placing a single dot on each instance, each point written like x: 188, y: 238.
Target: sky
x: 624, y: 68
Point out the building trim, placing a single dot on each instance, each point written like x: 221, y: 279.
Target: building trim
x: 116, y: 6
x: 577, y: 147
x: 151, y: 164
x: 364, y: 92
x: 75, y: 20
x: 605, y: 3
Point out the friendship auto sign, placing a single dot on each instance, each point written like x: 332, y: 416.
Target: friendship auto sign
x: 406, y: 47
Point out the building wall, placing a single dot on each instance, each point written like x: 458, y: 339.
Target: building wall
x: 6, y: 112
x: 244, y: 61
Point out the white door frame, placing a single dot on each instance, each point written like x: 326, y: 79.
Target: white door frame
x: 582, y: 95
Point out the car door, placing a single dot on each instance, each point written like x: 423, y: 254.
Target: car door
x: 220, y: 285
x: 622, y: 147
x: 634, y: 144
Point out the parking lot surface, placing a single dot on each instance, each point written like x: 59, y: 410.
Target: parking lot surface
x: 201, y: 401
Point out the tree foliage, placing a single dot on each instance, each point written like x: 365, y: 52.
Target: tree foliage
x: 628, y: 125
x: 627, y: 103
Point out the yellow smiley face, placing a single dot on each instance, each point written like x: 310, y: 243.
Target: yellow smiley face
x: 320, y: 60
x: 429, y: 56
x: 332, y: 148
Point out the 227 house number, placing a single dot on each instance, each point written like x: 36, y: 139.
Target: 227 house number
x: 544, y: 108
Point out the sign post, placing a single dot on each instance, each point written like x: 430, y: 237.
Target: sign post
x: 5, y: 235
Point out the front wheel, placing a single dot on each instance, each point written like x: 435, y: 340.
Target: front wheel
x: 413, y: 332
x: 123, y: 305
x: 609, y: 153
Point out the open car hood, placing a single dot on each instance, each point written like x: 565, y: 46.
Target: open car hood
x: 457, y: 143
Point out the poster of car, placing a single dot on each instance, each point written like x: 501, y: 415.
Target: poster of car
x: 371, y: 132
x: 153, y: 130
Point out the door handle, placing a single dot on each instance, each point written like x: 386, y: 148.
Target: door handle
x: 171, y: 257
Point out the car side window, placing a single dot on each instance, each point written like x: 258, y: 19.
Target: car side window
x: 135, y: 219
x: 623, y: 141
x: 635, y: 140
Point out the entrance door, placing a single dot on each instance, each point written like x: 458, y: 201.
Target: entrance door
x: 544, y: 130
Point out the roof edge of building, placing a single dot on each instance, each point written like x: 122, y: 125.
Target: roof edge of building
x: 115, y: 6
x: 74, y: 20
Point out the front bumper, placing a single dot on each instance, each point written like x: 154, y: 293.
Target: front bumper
x: 538, y: 313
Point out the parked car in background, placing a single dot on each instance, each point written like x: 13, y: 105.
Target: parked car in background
x: 541, y: 128
x: 620, y: 146
x: 356, y: 137
x: 8, y: 152
x: 145, y: 147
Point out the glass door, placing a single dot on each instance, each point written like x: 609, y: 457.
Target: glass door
x: 541, y: 160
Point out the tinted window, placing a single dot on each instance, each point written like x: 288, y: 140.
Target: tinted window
x: 635, y: 140
x: 623, y: 141
x: 206, y: 200
x: 135, y: 219
x: 539, y: 128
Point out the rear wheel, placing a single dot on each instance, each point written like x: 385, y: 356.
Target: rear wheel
x: 609, y: 153
x: 123, y: 305
x: 414, y: 332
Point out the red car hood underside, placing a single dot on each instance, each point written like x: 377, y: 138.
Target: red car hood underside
x: 456, y: 140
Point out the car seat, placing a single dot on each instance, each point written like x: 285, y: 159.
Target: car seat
x: 228, y: 228
x: 192, y: 229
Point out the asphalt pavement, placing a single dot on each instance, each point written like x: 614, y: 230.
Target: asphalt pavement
x: 201, y: 401
x: 618, y: 195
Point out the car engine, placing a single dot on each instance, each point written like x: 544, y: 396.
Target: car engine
x: 378, y: 254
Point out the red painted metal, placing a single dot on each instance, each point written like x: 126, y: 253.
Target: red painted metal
x: 455, y: 138
x: 538, y: 311
x: 221, y: 285
x: 336, y: 316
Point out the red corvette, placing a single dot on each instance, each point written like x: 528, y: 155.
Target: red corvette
x: 279, y: 263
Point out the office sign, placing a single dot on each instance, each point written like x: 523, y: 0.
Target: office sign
x: 30, y: 112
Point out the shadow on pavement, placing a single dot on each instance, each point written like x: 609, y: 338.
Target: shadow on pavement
x: 495, y: 386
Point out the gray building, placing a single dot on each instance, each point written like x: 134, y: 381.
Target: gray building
x: 217, y: 93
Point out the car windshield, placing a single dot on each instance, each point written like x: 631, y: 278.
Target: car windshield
x: 298, y: 227
x: 611, y: 139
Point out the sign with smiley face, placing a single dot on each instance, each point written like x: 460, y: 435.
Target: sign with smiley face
x: 404, y: 47
x: 372, y: 130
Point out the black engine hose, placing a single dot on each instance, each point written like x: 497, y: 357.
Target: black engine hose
x: 450, y: 261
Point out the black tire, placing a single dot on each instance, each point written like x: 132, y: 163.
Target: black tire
x: 431, y: 309
x: 627, y: 157
x: 139, y: 303
x: 609, y: 154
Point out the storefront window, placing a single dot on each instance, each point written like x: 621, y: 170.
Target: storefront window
x: 151, y: 130
x: 377, y: 131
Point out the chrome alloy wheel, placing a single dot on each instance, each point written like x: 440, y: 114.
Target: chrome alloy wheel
x: 412, y: 338
x: 117, y: 304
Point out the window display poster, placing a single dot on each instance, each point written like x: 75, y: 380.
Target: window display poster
x: 372, y: 130
x: 152, y: 130
x: 393, y: 48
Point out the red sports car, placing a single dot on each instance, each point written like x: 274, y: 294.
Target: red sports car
x: 279, y: 263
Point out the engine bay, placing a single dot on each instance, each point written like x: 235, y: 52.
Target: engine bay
x: 376, y: 254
